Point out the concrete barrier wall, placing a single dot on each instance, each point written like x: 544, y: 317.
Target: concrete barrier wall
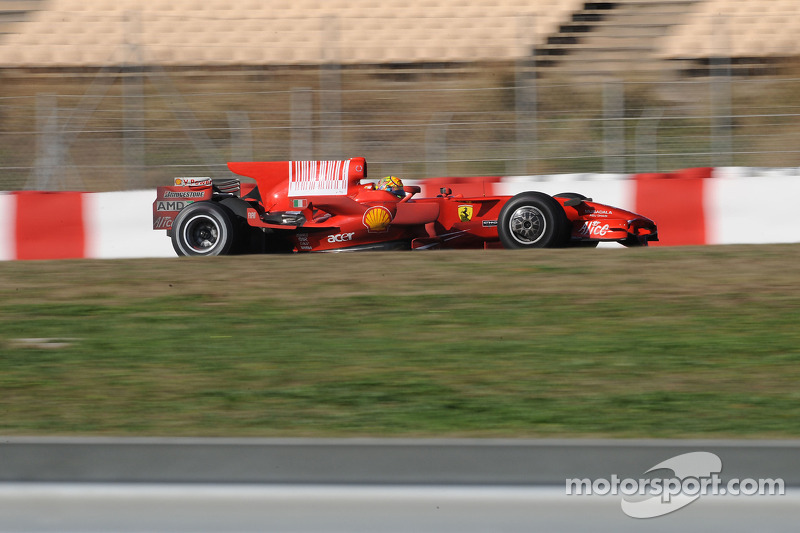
x: 691, y: 207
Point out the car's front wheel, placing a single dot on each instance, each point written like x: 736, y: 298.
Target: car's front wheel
x: 203, y: 228
x: 533, y: 220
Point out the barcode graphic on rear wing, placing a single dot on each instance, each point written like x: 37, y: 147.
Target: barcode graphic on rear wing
x: 318, y: 178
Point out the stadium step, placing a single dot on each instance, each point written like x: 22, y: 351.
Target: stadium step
x: 14, y: 12
x: 613, y: 39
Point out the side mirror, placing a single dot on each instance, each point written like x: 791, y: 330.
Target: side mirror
x: 572, y: 202
x: 410, y: 191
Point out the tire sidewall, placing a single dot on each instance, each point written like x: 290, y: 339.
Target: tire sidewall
x: 557, y: 228
x: 212, y: 212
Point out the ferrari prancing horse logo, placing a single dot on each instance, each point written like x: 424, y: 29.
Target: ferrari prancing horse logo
x: 465, y: 213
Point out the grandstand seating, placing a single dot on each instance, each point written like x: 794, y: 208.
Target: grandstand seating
x: 736, y: 29
x: 14, y: 12
x: 572, y: 35
x: 616, y: 39
x: 77, y: 33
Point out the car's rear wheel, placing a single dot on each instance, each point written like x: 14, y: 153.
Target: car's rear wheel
x: 203, y: 228
x: 533, y: 220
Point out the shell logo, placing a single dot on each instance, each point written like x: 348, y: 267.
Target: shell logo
x: 377, y: 219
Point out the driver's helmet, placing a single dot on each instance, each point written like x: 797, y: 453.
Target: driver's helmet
x: 391, y: 184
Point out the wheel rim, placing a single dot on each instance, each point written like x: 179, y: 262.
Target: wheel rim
x: 201, y: 233
x: 527, y: 224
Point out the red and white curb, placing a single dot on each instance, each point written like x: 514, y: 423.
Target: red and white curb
x: 73, y: 225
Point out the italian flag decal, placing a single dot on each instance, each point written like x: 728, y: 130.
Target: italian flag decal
x: 300, y: 204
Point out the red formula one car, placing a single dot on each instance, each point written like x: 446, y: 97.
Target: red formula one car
x: 323, y: 206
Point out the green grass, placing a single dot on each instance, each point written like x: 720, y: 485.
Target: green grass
x: 682, y: 342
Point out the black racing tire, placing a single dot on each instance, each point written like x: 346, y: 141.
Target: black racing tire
x: 577, y: 244
x: 204, y: 228
x: 533, y: 220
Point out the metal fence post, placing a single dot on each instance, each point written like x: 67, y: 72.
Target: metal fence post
x: 241, y: 136
x: 133, y: 104
x: 647, y: 140
x: 301, y: 143
x: 50, y: 150
x: 613, y: 126
x: 525, y: 99
x: 330, y: 94
x: 205, y: 148
x: 436, y: 144
x: 720, y: 95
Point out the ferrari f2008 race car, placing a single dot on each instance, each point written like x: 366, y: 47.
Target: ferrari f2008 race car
x: 325, y: 206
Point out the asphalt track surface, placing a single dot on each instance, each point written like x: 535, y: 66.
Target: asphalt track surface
x: 361, y: 485
x: 507, y: 462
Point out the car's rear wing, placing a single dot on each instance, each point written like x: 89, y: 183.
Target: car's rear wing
x: 283, y: 184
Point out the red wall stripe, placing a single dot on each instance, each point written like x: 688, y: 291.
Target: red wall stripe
x: 675, y: 201
x: 49, y: 225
